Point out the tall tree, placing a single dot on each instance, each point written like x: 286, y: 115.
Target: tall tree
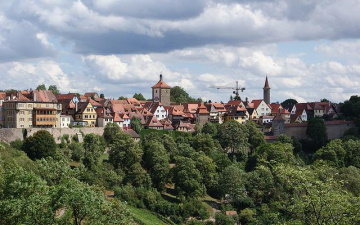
x: 179, y: 95
x: 232, y: 136
x: 110, y: 131
x: 41, y: 87
x: 94, y: 146
x: 156, y: 161
x: 139, y: 97
x: 54, y: 89
x: 40, y: 145
x: 135, y: 124
x: 24, y: 198
x: 124, y: 152
x: 187, y: 178
x: 316, y: 131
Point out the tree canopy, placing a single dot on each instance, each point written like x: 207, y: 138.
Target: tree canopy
x: 40, y: 145
x: 179, y: 95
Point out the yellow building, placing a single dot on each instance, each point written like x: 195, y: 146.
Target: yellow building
x: 85, y: 114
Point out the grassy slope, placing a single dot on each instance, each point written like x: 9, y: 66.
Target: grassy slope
x: 145, y: 217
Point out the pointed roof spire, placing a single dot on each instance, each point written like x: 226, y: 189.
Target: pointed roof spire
x: 266, y: 83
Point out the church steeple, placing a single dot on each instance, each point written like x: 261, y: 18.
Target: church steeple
x: 266, y: 91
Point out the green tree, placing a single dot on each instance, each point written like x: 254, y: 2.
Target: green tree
x: 179, y: 95
x: 351, y: 107
x: 289, y: 101
x: 352, y: 149
x: 207, y: 169
x: 124, y: 152
x: 156, y: 161
x: 110, y: 132
x: 203, y: 143
x: 170, y: 146
x: 316, y: 131
x: 139, y: 97
x: 232, y: 183
x: 256, y: 136
x: 316, y: 197
x: 122, y: 98
x: 232, y: 136
x: 222, y: 219
x: 102, y: 95
x: 41, y: 87
x: 80, y: 199
x: 94, y: 146
x: 333, y: 153
x: 210, y: 128
x: 187, y: 178
x: 135, y: 124
x: 24, y: 198
x: 54, y: 89
x: 274, y: 153
x: 40, y: 145
x: 324, y: 100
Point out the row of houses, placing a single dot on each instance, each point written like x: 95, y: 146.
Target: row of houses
x: 41, y: 108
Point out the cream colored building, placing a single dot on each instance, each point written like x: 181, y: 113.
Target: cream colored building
x: 27, y: 114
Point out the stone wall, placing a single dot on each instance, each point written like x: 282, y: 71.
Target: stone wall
x: 334, y: 129
x: 11, y: 134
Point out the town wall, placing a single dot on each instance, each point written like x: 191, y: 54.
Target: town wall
x: 334, y: 129
x: 11, y: 134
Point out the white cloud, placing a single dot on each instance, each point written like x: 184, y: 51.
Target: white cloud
x: 44, y: 72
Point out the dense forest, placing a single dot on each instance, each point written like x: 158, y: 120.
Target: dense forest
x: 181, y: 178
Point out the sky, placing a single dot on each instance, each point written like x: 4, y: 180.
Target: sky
x: 309, y: 49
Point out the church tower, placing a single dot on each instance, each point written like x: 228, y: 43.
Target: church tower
x: 266, y: 92
x: 161, y: 92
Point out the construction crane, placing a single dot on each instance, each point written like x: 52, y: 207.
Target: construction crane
x: 236, y: 88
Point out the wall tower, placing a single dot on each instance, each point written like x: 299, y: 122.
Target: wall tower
x: 161, y: 92
x: 266, y: 91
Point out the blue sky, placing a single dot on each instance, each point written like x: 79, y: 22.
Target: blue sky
x: 309, y: 49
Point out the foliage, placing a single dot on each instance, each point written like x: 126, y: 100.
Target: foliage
x: 289, y: 101
x: 110, y: 131
x: 210, y: 128
x: 316, y: 197
x: 222, y: 219
x: 179, y: 95
x: 17, y: 144
x: 232, y: 184
x: 124, y: 152
x: 139, y: 97
x: 40, y: 145
x: 122, y: 98
x: 135, y: 124
x: 94, y: 146
x: 233, y: 136
x: 41, y: 87
x: 187, y: 178
x: 333, y: 153
x: 156, y: 161
x: 54, y: 89
x: 24, y: 198
x: 316, y: 131
x: 351, y: 107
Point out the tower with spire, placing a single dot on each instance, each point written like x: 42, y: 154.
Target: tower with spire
x: 266, y: 91
x: 161, y: 92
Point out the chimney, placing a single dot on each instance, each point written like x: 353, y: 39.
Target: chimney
x: 34, y: 96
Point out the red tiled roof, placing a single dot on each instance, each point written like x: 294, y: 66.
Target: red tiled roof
x: 161, y: 84
x: 202, y: 110
x: 256, y: 102
x: 65, y: 96
x: 44, y: 96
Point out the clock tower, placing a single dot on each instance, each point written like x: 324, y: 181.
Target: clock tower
x: 161, y: 92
